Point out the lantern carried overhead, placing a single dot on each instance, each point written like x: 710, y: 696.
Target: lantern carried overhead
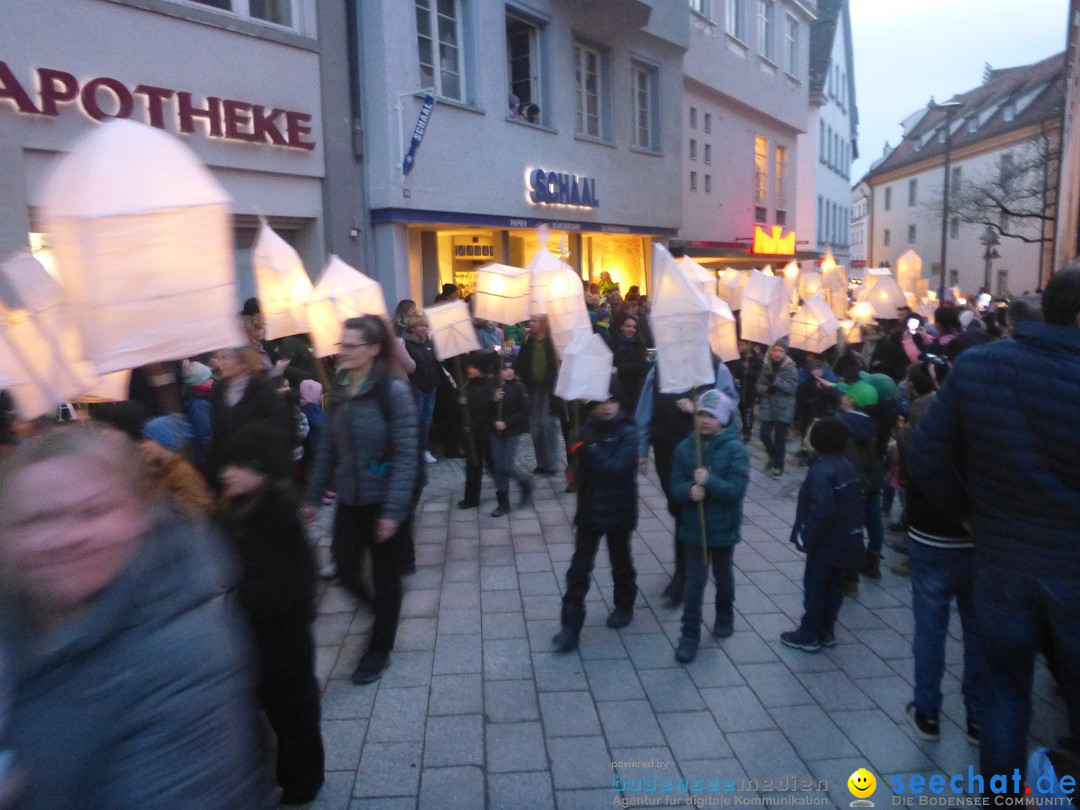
x: 730, y: 285
x: 810, y: 284
x: 282, y: 285
x: 565, y: 307
x: 502, y: 294
x: 814, y: 326
x: 704, y: 280
x: 142, y: 234
x: 343, y: 292
x: 450, y: 327
x: 765, y: 314
x: 909, y: 271
x: 885, y: 297
x: 723, y: 331
x: 585, y: 371
x: 680, y: 323
x: 834, y: 280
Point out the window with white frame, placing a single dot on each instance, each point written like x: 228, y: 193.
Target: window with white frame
x: 822, y: 141
x: 820, y: 219
x: 701, y: 7
x: 523, y: 59
x: 588, y: 66
x: 791, y: 45
x: 761, y: 169
x: 693, y: 118
x: 707, y: 152
x: 912, y: 193
x: 646, y: 121
x: 735, y: 19
x: 781, y: 174
x: 888, y: 198
x: 278, y: 12
x: 439, y: 41
x: 765, y: 28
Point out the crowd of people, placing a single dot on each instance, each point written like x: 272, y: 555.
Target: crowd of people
x: 158, y: 587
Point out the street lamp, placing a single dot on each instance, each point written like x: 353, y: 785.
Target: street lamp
x: 989, y: 241
x: 949, y: 107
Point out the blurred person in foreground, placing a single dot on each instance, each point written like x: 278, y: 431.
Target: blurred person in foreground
x: 998, y: 450
x: 132, y: 682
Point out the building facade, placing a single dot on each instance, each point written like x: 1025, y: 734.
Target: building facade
x: 745, y: 92
x: 1067, y: 244
x: 187, y: 67
x: 1002, y: 141
x: 591, y: 148
x: 860, y: 230
x: 830, y: 144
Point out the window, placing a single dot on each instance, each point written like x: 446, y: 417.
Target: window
x: 954, y: 228
x: 781, y: 218
x: 523, y: 59
x: 693, y: 149
x: 708, y: 152
x: 438, y: 33
x: 1010, y: 113
x: 735, y: 21
x: 781, y: 167
x: 761, y: 213
x: 701, y: 7
x: 646, y: 123
x: 1005, y: 170
x: 912, y: 193
x: 911, y: 234
x: 822, y: 141
x: 954, y: 278
x: 693, y: 181
x: 589, y: 75
x: 820, y: 218
x: 693, y: 118
x: 761, y: 169
x: 765, y: 28
x: 279, y: 12
x: 708, y: 122
x: 888, y: 198
x: 708, y: 184
x: 887, y: 237
x: 791, y: 45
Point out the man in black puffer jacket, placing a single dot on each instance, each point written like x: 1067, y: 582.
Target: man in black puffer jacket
x: 607, y: 505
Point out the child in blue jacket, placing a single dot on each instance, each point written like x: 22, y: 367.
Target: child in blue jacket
x: 829, y: 528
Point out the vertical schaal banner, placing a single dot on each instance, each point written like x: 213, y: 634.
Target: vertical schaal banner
x: 418, y: 134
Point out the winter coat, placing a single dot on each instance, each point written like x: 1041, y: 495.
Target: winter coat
x: 260, y: 403
x: 200, y: 415
x: 179, y: 480
x: 862, y: 449
x: 364, y: 456
x: 523, y: 366
x: 630, y: 365
x: 514, y: 411
x: 728, y: 462
x: 426, y: 377
x: 999, y: 447
x: 829, y: 516
x: 659, y: 420
x: 606, y: 475
x: 145, y: 698
x: 889, y: 356
x: 776, y: 389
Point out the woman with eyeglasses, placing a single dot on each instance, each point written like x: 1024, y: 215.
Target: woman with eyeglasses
x: 368, y: 455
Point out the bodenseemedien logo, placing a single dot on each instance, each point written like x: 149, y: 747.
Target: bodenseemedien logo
x: 862, y: 785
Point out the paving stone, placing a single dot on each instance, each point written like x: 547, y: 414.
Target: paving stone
x: 454, y: 740
x: 342, y: 740
x: 835, y: 691
x: 613, y: 679
x: 747, y: 648
x: 541, y: 583
x: 568, y: 714
x: 398, y: 715
x: 766, y: 754
x: 520, y: 791
x: 629, y: 723
x: 885, y: 642
x: 880, y: 739
x: 384, y: 803
x: 336, y: 791
x: 693, y: 735
x: 507, y: 659
x: 459, y: 596
x: 409, y: 669
x: 459, y: 620
x: 510, y: 701
x: 584, y: 799
x: 650, y: 651
x: 420, y: 603
x: 389, y: 769
x: 503, y: 625
x: 499, y: 578
x: 514, y: 747
x: 774, y: 684
x: 451, y: 787
x: 671, y: 690
x: 599, y: 641
x: 330, y: 628
x: 812, y: 733
x: 648, y: 773
x: 736, y: 708
x: 456, y: 694
x: 344, y: 700
x: 458, y: 654
x: 858, y: 661
x: 556, y: 672
x: 580, y: 762
x: 500, y: 602
x: 416, y: 634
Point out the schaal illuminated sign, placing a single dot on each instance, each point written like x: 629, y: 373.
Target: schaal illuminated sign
x: 558, y: 188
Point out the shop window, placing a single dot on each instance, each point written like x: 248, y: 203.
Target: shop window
x: 439, y: 43
x: 589, y: 73
x: 761, y: 169
x: 523, y: 60
x: 645, y: 82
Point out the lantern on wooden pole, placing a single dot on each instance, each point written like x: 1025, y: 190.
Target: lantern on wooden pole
x: 585, y: 370
x: 814, y: 326
x: 766, y: 316
x: 282, y: 285
x: 909, y: 272
x: 730, y: 285
x: 502, y: 294
x: 343, y: 292
x: 451, y: 329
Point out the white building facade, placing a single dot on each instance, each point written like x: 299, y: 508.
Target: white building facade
x: 860, y: 230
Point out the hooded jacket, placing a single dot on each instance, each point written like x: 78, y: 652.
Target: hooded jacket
x: 829, y: 518
x: 607, y: 475
x: 862, y: 449
x: 778, y: 404
x: 147, y: 697
x: 728, y: 462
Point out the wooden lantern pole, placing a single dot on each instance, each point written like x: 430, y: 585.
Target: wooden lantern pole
x: 701, y: 503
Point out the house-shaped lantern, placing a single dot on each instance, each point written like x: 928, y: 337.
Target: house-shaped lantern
x: 680, y: 324
x: 885, y: 297
x: 909, y: 271
x: 766, y: 316
x: 282, y: 285
x: 810, y: 284
x: 704, y: 280
x: 723, y: 331
x: 502, y: 294
x: 450, y: 327
x: 730, y: 285
x: 343, y: 292
x: 585, y: 371
x: 565, y: 307
x: 814, y: 326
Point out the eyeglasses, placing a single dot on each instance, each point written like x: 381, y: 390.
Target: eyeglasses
x: 351, y: 346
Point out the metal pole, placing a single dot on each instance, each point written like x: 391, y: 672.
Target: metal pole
x: 945, y: 209
x: 986, y: 278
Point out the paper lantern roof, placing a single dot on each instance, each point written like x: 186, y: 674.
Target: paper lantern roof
x: 873, y: 275
x: 909, y: 271
x: 835, y: 283
x: 704, y: 280
x: 343, y: 292
x: 680, y: 325
x: 730, y: 285
x: 565, y: 308
x: 542, y: 270
x: 814, y: 326
x: 142, y: 235
x: 585, y: 372
x: 885, y: 297
x: 723, y: 331
x: 829, y: 262
x: 282, y: 285
x: 502, y: 294
x: 765, y: 314
x: 862, y: 312
x: 810, y: 284
x: 451, y: 329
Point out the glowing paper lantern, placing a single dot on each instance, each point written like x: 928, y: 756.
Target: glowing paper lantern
x: 810, y: 284
x: 503, y: 294
x: 834, y: 279
x: 544, y: 266
x: 873, y: 276
x: 680, y: 323
x: 730, y: 285
x: 862, y: 312
x: 343, y: 292
x: 565, y: 307
x: 829, y: 262
x: 282, y: 285
x: 142, y: 235
x: 768, y: 271
x: 43, y: 378
x: 909, y: 271
x: 814, y: 326
x: 852, y: 331
x: 723, y: 331
x: 701, y: 278
x: 885, y: 297
x: 585, y: 371
x: 450, y: 326
x: 922, y: 288
x: 765, y: 314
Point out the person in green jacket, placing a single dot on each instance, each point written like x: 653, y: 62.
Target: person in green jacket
x: 719, y: 484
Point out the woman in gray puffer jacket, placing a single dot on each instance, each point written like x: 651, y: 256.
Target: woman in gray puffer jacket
x: 776, y: 389
x: 368, y: 455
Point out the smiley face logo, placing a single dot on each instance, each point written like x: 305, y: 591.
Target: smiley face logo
x: 862, y: 783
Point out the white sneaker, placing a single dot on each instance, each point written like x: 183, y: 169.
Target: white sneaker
x: 430, y: 459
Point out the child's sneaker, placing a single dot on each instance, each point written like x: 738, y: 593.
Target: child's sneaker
x: 686, y: 651
x: 827, y: 640
x: 792, y: 639
x: 775, y: 472
x: 928, y: 728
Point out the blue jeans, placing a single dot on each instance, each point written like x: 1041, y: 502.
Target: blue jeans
x: 504, y: 462
x: 823, y: 593
x: 875, y: 524
x: 938, y: 575
x: 1015, y: 612
x: 696, y: 577
x: 543, y: 428
x: 774, y: 437
x: 425, y: 413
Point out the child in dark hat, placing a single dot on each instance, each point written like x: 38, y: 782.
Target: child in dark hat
x: 510, y: 420
x: 606, y: 461
x: 829, y: 529
x: 476, y: 395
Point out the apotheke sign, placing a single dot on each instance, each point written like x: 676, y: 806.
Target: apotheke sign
x: 102, y: 98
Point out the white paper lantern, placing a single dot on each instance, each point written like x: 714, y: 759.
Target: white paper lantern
x: 343, y: 292
x: 723, y: 331
x: 730, y: 285
x: 585, y: 371
x: 565, y: 308
x: 765, y: 314
x: 834, y: 279
x: 862, y: 312
x: 814, y: 327
x: 810, y: 284
x: 790, y: 275
x: 704, y: 280
x: 543, y: 268
x: 142, y: 235
x: 909, y: 271
x: 885, y: 297
x: 873, y: 276
x: 852, y: 331
x: 43, y: 376
x: 502, y: 294
x: 680, y: 324
x: 451, y: 329
x: 282, y: 285
x: 768, y: 271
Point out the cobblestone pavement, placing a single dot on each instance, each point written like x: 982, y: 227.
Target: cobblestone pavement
x: 476, y: 711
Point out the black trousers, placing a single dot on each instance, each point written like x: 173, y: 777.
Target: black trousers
x: 289, y: 695
x: 355, y: 531
x: 581, y: 565
x: 664, y: 454
x: 474, y: 473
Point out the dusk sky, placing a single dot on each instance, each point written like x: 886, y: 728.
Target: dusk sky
x: 909, y: 50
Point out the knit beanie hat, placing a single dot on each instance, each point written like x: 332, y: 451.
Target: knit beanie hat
x: 173, y: 432
x: 716, y: 404
x: 883, y: 384
x: 310, y: 392
x: 862, y: 394
x: 259, y: 448
x: 196, y: 373
x: 828, y: 436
